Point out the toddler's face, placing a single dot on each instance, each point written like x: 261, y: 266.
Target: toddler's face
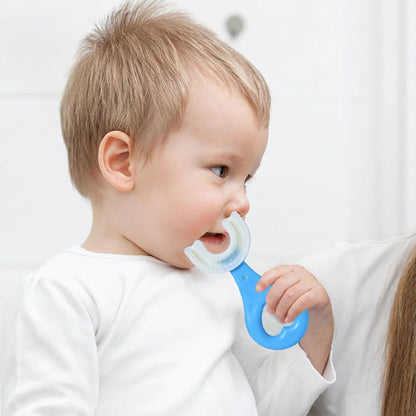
x: 198, y: 177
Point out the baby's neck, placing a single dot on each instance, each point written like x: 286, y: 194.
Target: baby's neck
x: 106, y: 237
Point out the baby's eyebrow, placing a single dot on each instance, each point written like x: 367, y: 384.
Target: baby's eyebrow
x: 227, y: 155
x: 231, y: 156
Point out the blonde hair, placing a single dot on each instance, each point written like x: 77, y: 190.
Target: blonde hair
x: 132, y: 74
x: 399, y: 397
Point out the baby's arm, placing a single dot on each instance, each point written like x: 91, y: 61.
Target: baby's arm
x: 53, y: 369
x: 293, y: 290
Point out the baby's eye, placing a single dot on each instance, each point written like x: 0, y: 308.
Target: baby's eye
x: 220, y: 171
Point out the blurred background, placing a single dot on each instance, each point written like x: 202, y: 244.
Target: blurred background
x: 341, y: 161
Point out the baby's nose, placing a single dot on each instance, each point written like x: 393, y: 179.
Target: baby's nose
x: 239, y: 203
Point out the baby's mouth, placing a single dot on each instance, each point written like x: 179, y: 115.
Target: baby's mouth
x: 213, y: 238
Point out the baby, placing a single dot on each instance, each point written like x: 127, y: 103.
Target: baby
x: 164, y: 124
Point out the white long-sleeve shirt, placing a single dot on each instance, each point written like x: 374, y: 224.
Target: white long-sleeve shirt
x: 361, y: 280
x: 105, y: 335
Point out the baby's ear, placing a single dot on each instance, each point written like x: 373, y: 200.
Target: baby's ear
x: 115, y: 157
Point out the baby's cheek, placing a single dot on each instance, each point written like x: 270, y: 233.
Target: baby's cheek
x: 197, y: 212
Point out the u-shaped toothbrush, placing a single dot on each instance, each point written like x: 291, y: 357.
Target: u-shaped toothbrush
x: 232, y: 260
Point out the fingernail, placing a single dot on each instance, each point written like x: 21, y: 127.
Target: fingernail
x: 258, y: 287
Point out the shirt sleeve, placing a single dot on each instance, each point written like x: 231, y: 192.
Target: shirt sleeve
x: 54, y: 366
x: 284, y: 382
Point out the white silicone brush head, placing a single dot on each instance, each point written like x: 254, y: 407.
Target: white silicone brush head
x: 229, y: 259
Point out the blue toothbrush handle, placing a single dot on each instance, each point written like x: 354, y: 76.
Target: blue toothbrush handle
x: 254, y: 302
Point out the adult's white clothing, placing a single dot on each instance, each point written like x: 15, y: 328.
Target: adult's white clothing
x: 117, y: 335
x: 361, y: 280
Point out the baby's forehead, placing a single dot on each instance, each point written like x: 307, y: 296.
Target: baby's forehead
x: 205, y: 79
x: 205, y: 82
x: 211, y: 94
x: 217, y: 116
x: 199, y: 79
